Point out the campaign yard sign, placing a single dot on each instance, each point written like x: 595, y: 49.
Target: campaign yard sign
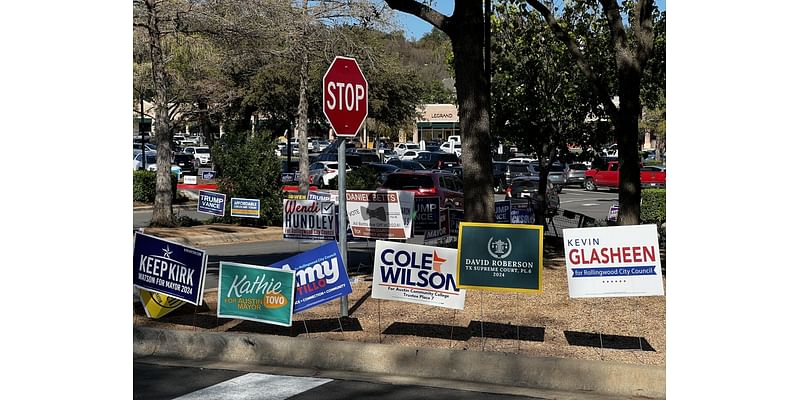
x: 211, y: 203
x: 320, y: 276
x: 157, y: 305
x: 502, y: 212
x: 309, y: 220
x: 613, y: 261
x: 501, y: 257
x: 416, y: 274
x: 169, y: 268
x: 255, y: 293
x: 245, y: 208
x: 380, y: 214
x: 520, y: 214
x: 427, y: 217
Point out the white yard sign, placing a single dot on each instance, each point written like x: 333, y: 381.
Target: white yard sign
x: 416, y: 274
x: 613, y: 261
x: 380, y: 214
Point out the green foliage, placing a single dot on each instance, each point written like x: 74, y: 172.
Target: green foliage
x: 654, y: 206
x: 248, y: 168
x: 359, y: 179
x: 144, y: 186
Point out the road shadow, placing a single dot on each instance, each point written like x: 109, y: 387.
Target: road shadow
x: 507, y: 331
x: 301, y: 326
x: 436, y: 331
x: 187, y: 315
x: 587, y: 339
x: 474, y: 329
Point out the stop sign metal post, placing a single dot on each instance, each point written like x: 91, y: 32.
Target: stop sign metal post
x: 344, y: 103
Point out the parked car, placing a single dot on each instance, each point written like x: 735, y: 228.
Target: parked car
x: 654, y: 168
x: 320, y: 173
x: 608, y: 176
x: 437, y: 159
x: 201, y: 153
x: 556, y: 175
x: 445, y: 186
x: 382, y: 171
x: 319, y: 145
x: 507, y: 171
x: 401, y: 148
x: 451, y: 147
x: 149, y: 159
x: 406, y: 164
x: 576, y: 173
x: 527, y: 187
x: 411, y: 154
x: 521, y: 159
x: 432, y: 145
x: 186, y: 162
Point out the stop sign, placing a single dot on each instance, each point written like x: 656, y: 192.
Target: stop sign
x: 344, y: 96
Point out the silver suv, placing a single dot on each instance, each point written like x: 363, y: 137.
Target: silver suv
x: 557, y: 175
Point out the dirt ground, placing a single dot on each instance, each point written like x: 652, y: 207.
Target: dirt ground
x: 545, y: 324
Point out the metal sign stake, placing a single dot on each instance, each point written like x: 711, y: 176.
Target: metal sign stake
x: 343, y: 309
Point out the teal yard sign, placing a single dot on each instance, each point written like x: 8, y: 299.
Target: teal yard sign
x: 256, y: 293
x: 502, y: 257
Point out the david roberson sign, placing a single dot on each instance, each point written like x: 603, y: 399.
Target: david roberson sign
x: 500, y: 257
x: 169, y: 268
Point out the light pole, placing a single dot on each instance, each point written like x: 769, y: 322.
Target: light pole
x: 141, y: 132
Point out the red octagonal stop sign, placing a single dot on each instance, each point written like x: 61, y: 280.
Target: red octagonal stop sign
x: 344, y: 96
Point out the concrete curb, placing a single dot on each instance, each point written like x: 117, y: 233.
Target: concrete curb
x: 605, y: 378
x: 202, y: 239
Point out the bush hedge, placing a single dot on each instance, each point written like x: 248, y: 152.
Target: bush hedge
x: 654, y: 206
x: 144, y: 186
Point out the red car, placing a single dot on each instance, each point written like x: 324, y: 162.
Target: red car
x: 443, y: 185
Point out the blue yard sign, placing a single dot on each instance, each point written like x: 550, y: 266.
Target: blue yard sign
x: 211, y: 203
x: 320, y: 276
x: 169, y: 268
x: 502, y: 212
x: 245, y: 208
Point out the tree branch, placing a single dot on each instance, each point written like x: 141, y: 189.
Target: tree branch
x: 599, y: 89
x: 644, y: 31
x: 420, y: 10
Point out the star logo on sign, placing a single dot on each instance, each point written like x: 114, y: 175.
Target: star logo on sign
x: 167, y: 252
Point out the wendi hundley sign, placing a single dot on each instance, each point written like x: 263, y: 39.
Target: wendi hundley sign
x: 614, y: 261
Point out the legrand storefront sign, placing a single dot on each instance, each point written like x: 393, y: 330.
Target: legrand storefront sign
x: 438, y: 113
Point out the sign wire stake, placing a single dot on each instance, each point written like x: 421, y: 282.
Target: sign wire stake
x: 306, y: 326
x: 380, y: 338
x: 340, y: 324
x: 483, y: 342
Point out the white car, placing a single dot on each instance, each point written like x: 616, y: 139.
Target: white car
x: 527, y: 160
x: 150, y: 160
x: 201, y: 153
x: 411, y: 154
x: 320, y: 173
x: 451, y: 147
x: 404, y: 147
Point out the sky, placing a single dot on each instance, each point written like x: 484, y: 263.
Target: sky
x: 415, y: 27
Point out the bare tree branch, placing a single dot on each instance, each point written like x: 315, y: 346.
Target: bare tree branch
x: 428, y: 14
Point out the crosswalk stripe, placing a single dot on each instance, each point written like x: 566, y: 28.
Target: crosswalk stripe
x: 256, y: 387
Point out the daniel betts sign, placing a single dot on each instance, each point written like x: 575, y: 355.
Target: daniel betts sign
x: 500, y: 257
x: 613, y: 261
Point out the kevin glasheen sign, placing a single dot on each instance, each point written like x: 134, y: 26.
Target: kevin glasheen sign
x: 613, y: 261
x: 500, y: 257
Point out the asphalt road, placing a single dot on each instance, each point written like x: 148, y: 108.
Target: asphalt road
x: 157, y: 382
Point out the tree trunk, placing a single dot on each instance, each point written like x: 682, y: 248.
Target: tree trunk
x: 473, y: 111
x: 302, y: 122
x: 162, y: 207
x: 626, y: 128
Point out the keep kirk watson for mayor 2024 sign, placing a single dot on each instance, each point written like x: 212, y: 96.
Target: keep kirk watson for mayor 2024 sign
x: 168, y: 268
x: 613, y: 261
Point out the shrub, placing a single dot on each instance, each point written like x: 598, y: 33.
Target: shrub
x: 654, y: 206
x: 144, y: 186
x: 358, y: 179
x: 248, y: 168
